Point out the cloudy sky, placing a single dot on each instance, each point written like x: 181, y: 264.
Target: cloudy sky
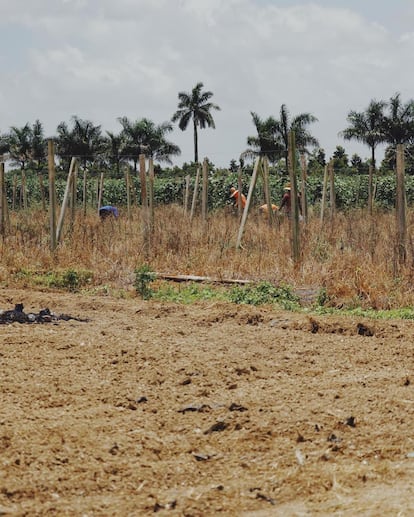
x: 103, y: 59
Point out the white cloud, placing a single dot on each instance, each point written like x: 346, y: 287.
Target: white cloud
x: 101, y: 59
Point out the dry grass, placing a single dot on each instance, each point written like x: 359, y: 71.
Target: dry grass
x: 353, y: 257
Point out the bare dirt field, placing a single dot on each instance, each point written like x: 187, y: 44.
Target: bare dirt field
x: 203, y: 410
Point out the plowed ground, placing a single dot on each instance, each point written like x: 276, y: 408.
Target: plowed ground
x: 203, y: 409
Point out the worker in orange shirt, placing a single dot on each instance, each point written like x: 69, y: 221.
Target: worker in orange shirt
x: 234, y: 196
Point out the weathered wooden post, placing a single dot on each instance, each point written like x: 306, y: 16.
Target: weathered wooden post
x: 24, y: 190
x: 52, y: 193
x: 144, y: 204
x: 248, y: 201
x: 100, y: 190
x: 186, y: 193
x: 400, y: 207
x: 2, y: 199
x: 85, y: 190
x: 128, y: 192
x: 195, y: 192
x: 371, y: 172
x: 266, y: 187
x: 204, y: 191
x: 294, y: 199
x: 65, y: 201
x: 324, y: 189
x: 151, y: 193
x: 240, y: 189
x: 73, y: 195
x: 332, y: 196
x: 304, y: 179
x: 14, y: 189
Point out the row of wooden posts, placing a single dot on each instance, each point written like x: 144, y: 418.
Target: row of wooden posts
x: 261, y: 167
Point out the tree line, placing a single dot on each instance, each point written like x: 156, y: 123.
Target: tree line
x: 382, y: 122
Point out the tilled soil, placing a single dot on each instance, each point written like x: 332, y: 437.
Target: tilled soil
x: 203, y: 410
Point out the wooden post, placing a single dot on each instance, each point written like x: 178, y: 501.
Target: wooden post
x: 151, y: 193
x: 2, y: 199
x: 24, y: 190
x: 14, y: 188
x: 144, y: 205
x: 85, y: 190
x: 42, y: 191
x: 240, y: 189
x: 370, y: 188
x: 128, y: 192
x: 400, y: 207
x: 73, y: 196
x: 204, y: 191
x: 324, y: 189
x: 266, y: 187
x: 52, y: 193
x: 65, y: 201
x: 304, y: 178
x: 195, y: 192
x: 100, y: 190
x: 186, y: 193
x: 294, y: 199
x: 248, y: 201
x: 332, y: 197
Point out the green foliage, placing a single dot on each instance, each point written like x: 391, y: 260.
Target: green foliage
x: 70, y: 279
x: 265, y: 293
x: 143, y: 278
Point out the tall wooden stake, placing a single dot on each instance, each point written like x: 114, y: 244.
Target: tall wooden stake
x: 294, y: 199
x: 400, y: 207
x: 240, y: 189
x: 128, y: 192
x: 2, y: 199
x: 324, y: 189
x: 332, y: 199
x: 303, y: 191
x: 100, y: 190
x: 144, y: 205
x: 186, y: 193
x: 248, y: 201
x: 85, y: 190
x: 195, y: 192
x: 266, y: 186
x: 204, y: 191
x: 151, y: 193
x: 52, y: 193
x: 65, y: 201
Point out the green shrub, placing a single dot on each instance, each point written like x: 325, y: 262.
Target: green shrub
x: 143, y: 278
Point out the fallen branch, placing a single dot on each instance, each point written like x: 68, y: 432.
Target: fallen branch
x: 194, y: 278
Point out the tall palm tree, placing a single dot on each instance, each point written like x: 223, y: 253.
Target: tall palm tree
x: 113, y: 146
x: 20, y: 145
x: 145, y: 136
x: 398, y: 125
x: 298, y: 124
x: 268, y: 141
x: 84, y: 140
x: 195, y: 106
x: 367, y: 127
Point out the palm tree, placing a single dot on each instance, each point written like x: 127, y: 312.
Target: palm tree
x: 195, y: 106
x: 113, y: 146
x: 84, y: 140
x: 298, y: 124
x: 398, y: 125
x: 367, y: 127
x: 20, y: 145
x: 145, y: 136
x: 268, y: 141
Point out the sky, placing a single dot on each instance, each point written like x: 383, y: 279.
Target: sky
x: 105, y: 59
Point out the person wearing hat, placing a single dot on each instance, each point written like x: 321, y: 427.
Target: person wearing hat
x: 234, y: 196
x: 286, y: 203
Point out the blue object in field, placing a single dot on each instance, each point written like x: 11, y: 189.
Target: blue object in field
x: 108, y: 210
